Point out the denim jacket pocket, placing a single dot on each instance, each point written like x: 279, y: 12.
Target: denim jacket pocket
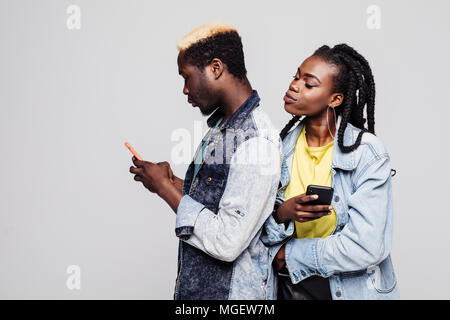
x: 210, y: 187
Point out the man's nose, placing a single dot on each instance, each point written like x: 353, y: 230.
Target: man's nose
x: 185, y: 90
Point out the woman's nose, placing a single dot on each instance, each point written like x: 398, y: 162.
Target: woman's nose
x: 185, y: 90
x: 294, y: 88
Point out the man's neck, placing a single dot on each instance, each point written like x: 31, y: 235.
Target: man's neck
x: 234, y: 96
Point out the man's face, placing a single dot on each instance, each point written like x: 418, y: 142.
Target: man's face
x: 198, y: 86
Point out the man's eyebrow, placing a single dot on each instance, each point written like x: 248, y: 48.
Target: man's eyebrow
x: 309, y: 75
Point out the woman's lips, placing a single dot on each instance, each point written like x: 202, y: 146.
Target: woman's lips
x: 288, y: 98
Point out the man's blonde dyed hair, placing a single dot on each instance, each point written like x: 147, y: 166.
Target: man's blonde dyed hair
x: 203, y: 32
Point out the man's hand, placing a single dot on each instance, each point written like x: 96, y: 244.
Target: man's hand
x: 158, y: 178
x: 177, y: 182
x: 297, y: 208
x: 154, y: 176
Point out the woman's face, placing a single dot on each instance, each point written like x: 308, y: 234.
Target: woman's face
x: 311, y: 91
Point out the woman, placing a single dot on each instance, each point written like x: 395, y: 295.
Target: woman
x: 341, y: 250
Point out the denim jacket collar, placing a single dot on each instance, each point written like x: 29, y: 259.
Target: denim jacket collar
x: 341, y: 160
x: 238, y: 116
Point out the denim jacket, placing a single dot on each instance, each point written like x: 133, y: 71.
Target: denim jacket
x: 356, y: 257
x: 224, y: 206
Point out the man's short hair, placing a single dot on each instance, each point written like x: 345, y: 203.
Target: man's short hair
x: 214, y: 40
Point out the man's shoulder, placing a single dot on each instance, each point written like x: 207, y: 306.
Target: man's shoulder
x: 263, y: 126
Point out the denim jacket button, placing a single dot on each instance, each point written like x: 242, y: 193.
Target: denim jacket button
x: 338, y: 294
x: 336, y: 198
x: 209, y: 179
x: 341, y: 225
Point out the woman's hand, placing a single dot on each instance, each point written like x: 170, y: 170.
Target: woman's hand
x: 298, y: 209
x: 279, y: 260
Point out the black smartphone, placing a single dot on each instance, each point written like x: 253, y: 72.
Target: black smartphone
x: 325, y: 194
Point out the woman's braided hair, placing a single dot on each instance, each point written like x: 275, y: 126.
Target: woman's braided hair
x: 355, y: 80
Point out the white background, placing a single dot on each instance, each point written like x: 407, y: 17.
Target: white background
x: 69, y: 99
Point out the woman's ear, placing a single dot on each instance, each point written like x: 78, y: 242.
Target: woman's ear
x: 216, y: 66
x: 336, y: 100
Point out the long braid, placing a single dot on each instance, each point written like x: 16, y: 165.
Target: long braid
x: 371, y: 101
x: 347, y: 113
x: 369, y: 82
x: 356, y: 81
x: 288, y: 126
x: 357, y: 94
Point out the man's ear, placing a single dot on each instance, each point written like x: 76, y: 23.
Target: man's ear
x: 336, y: 100
x: 216, y: 67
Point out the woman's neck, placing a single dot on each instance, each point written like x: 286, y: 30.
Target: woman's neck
x: 317, y: 130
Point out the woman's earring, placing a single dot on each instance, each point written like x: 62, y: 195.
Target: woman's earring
x: 335, y: 123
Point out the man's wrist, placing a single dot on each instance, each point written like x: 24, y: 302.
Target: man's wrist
x: 169, y: 193
x: 164, y: 187
x: 178, y: 183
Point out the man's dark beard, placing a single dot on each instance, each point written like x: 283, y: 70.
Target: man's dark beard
x: 208, y: 111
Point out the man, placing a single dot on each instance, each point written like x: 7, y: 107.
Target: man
x: 230, y: 187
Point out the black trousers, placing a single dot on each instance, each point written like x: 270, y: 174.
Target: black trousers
x: 312, y: 288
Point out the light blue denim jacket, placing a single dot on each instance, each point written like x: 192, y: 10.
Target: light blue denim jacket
x: 356, y: 257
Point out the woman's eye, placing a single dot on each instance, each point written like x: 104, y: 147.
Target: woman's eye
x: 309, y: 86
x: 295, y: 77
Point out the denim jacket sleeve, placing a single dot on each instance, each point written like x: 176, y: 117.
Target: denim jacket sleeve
x: 365, y: 239
x: 246, y: 203
x: 274, y: 232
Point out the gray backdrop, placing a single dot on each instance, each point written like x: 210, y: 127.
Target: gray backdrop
x: 70, y: 98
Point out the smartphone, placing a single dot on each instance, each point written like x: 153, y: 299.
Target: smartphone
x: 325, y: 194
x: 132, y: 151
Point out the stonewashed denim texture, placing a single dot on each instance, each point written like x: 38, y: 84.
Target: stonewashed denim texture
x: 356, y: 257
x: 220, y: 217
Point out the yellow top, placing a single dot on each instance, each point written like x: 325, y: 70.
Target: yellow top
x: 311, y: 165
